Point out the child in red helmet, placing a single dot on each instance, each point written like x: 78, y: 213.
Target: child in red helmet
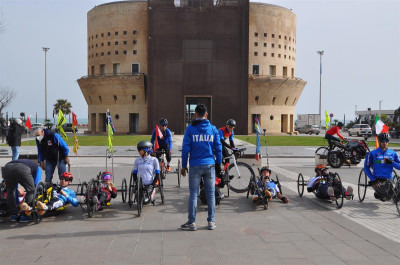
x: 61, y: 195
x: 108, y: 190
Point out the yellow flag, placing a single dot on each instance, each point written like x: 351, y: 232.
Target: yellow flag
x: 60, y: 122
x: 326, y: 119
x: 109, y: 142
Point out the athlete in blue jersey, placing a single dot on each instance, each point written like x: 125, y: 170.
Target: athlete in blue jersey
x: 382, y: 160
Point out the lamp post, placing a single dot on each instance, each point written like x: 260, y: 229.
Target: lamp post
x: 45, y: 83
x: 380, y: 114
x: 320, y: 82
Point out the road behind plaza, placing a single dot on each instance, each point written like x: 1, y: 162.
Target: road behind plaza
x: 306, y: 231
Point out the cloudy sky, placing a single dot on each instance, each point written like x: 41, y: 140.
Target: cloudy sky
x: 361, y: 41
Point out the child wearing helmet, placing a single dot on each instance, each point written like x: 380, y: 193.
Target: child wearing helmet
x: 147, y: 168
x: 322, y: 188
x: 108, y: 190
x: 271, y: 190
x: 61, y: 195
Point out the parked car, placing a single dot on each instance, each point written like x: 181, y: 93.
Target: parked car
x: 360, y: 130
x: 37, y: 125
x: 309, y: 129
x: 68, y: 127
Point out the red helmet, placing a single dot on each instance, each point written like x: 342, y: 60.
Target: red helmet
x: 67, y: 176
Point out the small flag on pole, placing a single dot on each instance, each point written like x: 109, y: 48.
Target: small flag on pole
x: 60, y: 122
x: 380, y: 127
x: 326, y: 119
x: 158, y: 135
x: 258, y: 147
x: 74, y: 124
x: 28, y: 124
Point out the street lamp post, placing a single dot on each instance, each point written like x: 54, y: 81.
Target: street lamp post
x: 45, y: 83
x: 380, y: 114
x: 320, y: 82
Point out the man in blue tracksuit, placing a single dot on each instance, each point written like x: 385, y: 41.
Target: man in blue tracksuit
x: 202, y: 142
x: 382, y: 160
x: 164, y: 143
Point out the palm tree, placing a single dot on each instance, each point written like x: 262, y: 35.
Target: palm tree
x: 64, y: 106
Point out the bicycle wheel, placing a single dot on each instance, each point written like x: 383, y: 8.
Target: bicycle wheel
x: 300, y: 184
x: 124, y: 190
x: 161, y: 190
x: 90, y: 207
x: 83, y: 191
x: 163, y: 170
x: 396, y: 190
x: 179, y: 172
x: 139, y: 196
x: 227, y: 182
x: 131, y: 191
x: 362, y: 185
x: 338, y: 189
x: 238, y: 178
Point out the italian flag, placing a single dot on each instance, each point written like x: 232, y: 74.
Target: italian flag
x: 380, y: 127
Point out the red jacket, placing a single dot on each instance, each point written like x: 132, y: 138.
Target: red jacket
x: 335, y: 130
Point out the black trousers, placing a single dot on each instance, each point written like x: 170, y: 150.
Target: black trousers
x: 17, y: 173
x: 167, y: 154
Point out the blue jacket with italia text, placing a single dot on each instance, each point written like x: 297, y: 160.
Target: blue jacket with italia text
x: 375, y: 159
x: 202, y: 142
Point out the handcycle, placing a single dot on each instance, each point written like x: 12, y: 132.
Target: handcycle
x: 363, y: 183
x: 260, y: 189
x: 334, y: 181
x: 93, y: 190
x: 237, y: 174
x: 137, y: 192
x: 161, y: 156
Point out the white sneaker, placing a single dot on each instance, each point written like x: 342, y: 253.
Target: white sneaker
x: 331, y: 194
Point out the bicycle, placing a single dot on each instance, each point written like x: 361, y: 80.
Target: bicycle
x: 161, y: 156
x: 237, y: 175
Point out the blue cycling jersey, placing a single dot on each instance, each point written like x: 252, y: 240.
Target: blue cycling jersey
x: 376, y: 160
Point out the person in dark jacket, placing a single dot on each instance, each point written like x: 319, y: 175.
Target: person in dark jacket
x: 4, y: 131
x: 53, y: 150
x: 14, y: 137
x: 202, y: 142
x: 27, y: 174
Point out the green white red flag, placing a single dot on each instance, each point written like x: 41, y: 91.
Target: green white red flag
x: 380, y: 127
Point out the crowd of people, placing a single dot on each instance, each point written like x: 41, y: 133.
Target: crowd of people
x: 203, y: 149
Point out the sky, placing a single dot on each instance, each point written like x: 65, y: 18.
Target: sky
x: 360, y: 65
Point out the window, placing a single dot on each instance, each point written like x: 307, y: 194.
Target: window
x: 279, y: 46
x: 255, y: 69
x: 272, y: 70
x: 96, y: 36
x: 101, y: 101
x: 125, y: 32
x: 272, y: 45
x: 92, y: 70
x: 135, y: 70
x: 290, y: 38
x: 108, y: 43
x: 134, y: 42
x: 116, y: 33
x: 289, y: 56
x: 115, y: 98
x: 285, y: 72
x: 109, y: 34
x: 96, y: 45
x: 284, y: 56
x: 96, y: 54
x: 272, y: 55
x: 134, y: 32
x: 292, y: 72
x: 116, y: 43
x: 134, y: 51
x: 255, y: 53
x: 102, y: 69
x: 116, y: 68
x: 273, y: 100
x: 125, y: 42
x: 133, y: 97
x: 289, y: 48
x: 102, y: 44
x: 102, y: 34
x: 285, y: 37
x: 279, y: 36
x: 265, y: 54
x: 265, y: 34
x: 255, y: 34
x: 265, y: 44
x: 108, y: 53
x: 102, y: 53
x: 285, y: 47
x: 273, y: 35
x: 116, y: 52
x: 279, y: 55
x: 255, y: 43
x: 125, y: 52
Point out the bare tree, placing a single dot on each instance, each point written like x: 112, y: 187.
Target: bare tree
x: 6, y: 97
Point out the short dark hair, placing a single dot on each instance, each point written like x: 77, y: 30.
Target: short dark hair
x: 201, y: 110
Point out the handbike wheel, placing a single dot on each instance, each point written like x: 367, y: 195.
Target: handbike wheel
x: 124, y: 190
x: 83, y: 191
x: 179, y: 172
x: 300, y: 184
x: 396, y: 190
x: 139, y: 196
x: 89, y: 199
x: 38, y: 195
x: 239, y: 178
x: 279, y: 184
x: 161, y: 190
x: 338, y: 189
x: 251, y: 184
x: 131, y: 191
x: 362, y: 185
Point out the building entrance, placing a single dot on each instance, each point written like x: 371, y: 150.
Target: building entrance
x: 190, y: 106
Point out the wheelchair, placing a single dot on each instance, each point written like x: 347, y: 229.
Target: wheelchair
x: 363, y: 183
x: 333, y: 179
x: 139, y: 193
x: 262, y: 197
x: 94, y: 188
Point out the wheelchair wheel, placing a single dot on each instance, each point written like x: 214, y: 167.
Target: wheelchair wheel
x: 240, y: 177
x: 335, y: 159
x: 278, y: 183
x: 161, y: 190
x: 338, y: 189
x: 131, y: 191
x: 90, y: 193
x: 251, y: 185
x: 139, y: 196
x: 40, y: 194
x: 300, y: 184
x: 124, y: 190
x: 396, y: 189
x: 179, y: 172
x: 84, y: 188
x: 362, y: 185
